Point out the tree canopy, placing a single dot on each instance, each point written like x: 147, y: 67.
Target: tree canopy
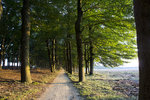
x: 106, y: 29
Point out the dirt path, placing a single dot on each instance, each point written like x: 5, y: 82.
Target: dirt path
x: 61, y: 89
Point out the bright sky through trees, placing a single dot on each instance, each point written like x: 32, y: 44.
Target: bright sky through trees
x: 132, y: 63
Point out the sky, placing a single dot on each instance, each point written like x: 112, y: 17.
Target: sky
x: 132, y: 63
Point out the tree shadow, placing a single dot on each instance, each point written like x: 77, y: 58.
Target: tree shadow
x: 3, y: 80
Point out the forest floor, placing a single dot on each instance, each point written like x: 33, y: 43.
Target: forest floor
x: 109, y: 85
x: 61, y: 89
x: 12, y: 89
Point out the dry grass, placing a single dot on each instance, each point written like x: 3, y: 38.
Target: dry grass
x: 108, y: 86
x: 12, y: 89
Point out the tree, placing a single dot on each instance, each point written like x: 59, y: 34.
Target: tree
x: 1, y: 8
x: 25, y: 63
x: 142, y: 19
x: 79, y: 40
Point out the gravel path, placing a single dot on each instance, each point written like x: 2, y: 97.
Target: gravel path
x: 61, y: 89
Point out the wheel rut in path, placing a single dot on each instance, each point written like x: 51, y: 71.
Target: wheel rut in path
x: 61, y: 89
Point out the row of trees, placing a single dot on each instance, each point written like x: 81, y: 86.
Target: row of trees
x: 105, y: 33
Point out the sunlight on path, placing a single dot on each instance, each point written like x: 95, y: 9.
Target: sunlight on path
x: 61, y: 89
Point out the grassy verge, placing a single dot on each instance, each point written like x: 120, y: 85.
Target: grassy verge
x: 99, y: 87
x: 12, y: 89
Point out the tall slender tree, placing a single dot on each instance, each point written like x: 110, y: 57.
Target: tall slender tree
x: 142, y: 19
x: 1, y: 8
x: 25, y: 63
x: 79, y: 40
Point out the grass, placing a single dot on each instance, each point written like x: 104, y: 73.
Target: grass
x: 106, y: 86
x: 12, y: 89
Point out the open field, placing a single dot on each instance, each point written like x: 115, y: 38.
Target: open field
x: 12, y: 89
x: 109, y: 85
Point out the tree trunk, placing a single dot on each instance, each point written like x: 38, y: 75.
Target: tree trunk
x: 3, y: 62
x: 3, y: 52
x: 70, y: 57
x: 67, y: 56
x: 1, y: 57
x: 8, y: 62
x: 79, y: 40
x: 56, y: 56
x: 142, y: 19
x: 17, y: 61
x: 91, y: 53
x: 53, y: 55
x: 49, y: 55
x: 1, y: 8
x: 85, y: 58
x: 91, y: 58
x: 25, y: 63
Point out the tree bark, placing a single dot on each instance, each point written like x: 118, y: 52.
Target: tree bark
x: 142, y: 19
x: 25, y: 63
x: 79, y: 40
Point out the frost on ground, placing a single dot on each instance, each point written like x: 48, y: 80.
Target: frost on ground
x: 109, y: 85
x: 61, y: 89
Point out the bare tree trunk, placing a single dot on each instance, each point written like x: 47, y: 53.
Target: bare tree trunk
x: 25, y: 63
x: 79, y: 40
x: 142, y: 19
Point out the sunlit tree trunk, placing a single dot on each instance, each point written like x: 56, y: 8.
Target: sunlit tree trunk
x: 79, y: 40
x: 142, y: 19
x: 25, y: 63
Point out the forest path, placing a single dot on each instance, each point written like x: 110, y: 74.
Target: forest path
x: 61, y: 89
